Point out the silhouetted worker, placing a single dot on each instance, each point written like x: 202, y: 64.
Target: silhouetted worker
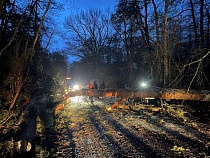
x: 102, y: 85
x: 91, y: 86
x: 95, y: 85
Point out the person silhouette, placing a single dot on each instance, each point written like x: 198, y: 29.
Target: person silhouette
x: 95, y: 85
x: 102, y: 86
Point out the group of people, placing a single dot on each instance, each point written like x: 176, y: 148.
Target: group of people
x: 95, y: 85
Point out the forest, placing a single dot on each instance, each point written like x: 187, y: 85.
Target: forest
x: 163, y: 42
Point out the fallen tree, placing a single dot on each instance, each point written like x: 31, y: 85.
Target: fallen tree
x: 177, y: 94
x: 162, y: 94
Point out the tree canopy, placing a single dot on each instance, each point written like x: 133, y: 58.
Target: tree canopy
x: 162, y: 41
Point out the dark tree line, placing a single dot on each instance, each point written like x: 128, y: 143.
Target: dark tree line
x: 26, y: 64
x: 161, y: 41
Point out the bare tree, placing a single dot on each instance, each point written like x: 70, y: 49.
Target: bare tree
x: 89, y: 35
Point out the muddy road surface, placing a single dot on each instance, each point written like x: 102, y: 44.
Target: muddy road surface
x: 85, y: 130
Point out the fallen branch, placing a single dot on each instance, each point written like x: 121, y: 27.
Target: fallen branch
x: 115, y: 104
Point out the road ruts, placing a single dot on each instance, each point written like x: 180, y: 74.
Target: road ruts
x: 88, y: 131
x: 79, y: 137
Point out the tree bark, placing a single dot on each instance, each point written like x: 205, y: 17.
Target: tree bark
x: 165, y: 45
x: 201, y: 24
x: 194, y: 22
x: 176, y: 94
x: 157, y: 73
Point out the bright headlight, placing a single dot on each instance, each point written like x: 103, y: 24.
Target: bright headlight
x: 76, y: 87
x: 143, y: 84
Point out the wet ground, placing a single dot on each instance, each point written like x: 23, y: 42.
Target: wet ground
x: 85, y: 130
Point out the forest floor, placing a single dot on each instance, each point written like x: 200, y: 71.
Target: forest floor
x: 89, y: 131
x: 85, y: 130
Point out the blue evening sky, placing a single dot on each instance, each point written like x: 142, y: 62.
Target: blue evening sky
x: 73, y: 7
x: 85, y: 4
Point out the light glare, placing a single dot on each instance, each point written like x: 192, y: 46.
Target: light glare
x: 143, y: 84
x: 76, y: 87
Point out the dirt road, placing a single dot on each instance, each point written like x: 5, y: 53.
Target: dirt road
x: 89, y: 131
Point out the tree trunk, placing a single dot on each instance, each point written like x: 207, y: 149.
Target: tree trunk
x: 201, y: 24
x: 165, y: 45
x: 146, y: 28
x: 177, y: 94
x: 208, y: 29
x: 157, y: 62
x: 194, y: 22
